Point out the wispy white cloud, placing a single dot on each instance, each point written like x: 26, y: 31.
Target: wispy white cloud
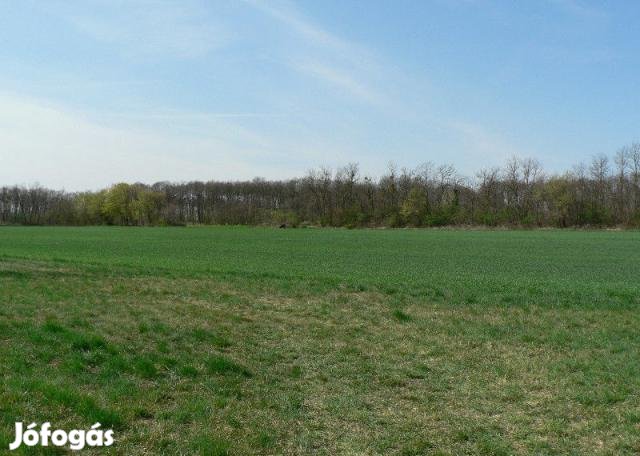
x: 336, y: 61
x: 364, y: 75
x: 151, y: 28
x: 143, y: 139
x: 287, y: 14
x: 483, y: 147
x: 340, y: 79
x: 60, y: 147
x: 579, y: 9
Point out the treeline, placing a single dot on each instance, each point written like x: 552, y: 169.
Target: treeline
x: 604, y: 192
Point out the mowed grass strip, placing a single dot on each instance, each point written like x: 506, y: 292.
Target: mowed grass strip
x: 201, y: 359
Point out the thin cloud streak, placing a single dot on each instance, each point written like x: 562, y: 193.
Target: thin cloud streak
x: 59, y: 147
x: 349, y: 69
x: 336, y: 61
x: 153, y: 29
x: 303, y: 27
x: 579, y: 9
x: 340, y: 79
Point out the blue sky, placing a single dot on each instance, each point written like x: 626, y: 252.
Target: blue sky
x: 98, y: 91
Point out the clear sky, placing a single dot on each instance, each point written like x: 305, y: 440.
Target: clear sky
x: 94, y: 92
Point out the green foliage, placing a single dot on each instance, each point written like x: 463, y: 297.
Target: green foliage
x: 416, y: 207
x: 352, y: 217
x: 519, y: 194
x: 125, y: 204
x: 89, y: 207
x: 147, y: 207
x: 279, y: 217
x: 117, y: 206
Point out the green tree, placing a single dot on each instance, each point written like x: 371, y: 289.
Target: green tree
x: 146, y: 208
x: 89, y: 208
x: 415, y: 207
x: 117, y: 207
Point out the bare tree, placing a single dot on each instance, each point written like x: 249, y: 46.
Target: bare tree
x: 621, y: 161
x: 519, y: 193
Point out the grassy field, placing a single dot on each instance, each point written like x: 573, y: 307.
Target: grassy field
x: 231, y: 340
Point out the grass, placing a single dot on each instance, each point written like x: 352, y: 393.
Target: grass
x: 233, y: 340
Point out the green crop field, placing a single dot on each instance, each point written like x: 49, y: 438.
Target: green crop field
x: 229, y: 340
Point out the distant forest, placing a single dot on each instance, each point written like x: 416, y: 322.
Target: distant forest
x: 603, y: 193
